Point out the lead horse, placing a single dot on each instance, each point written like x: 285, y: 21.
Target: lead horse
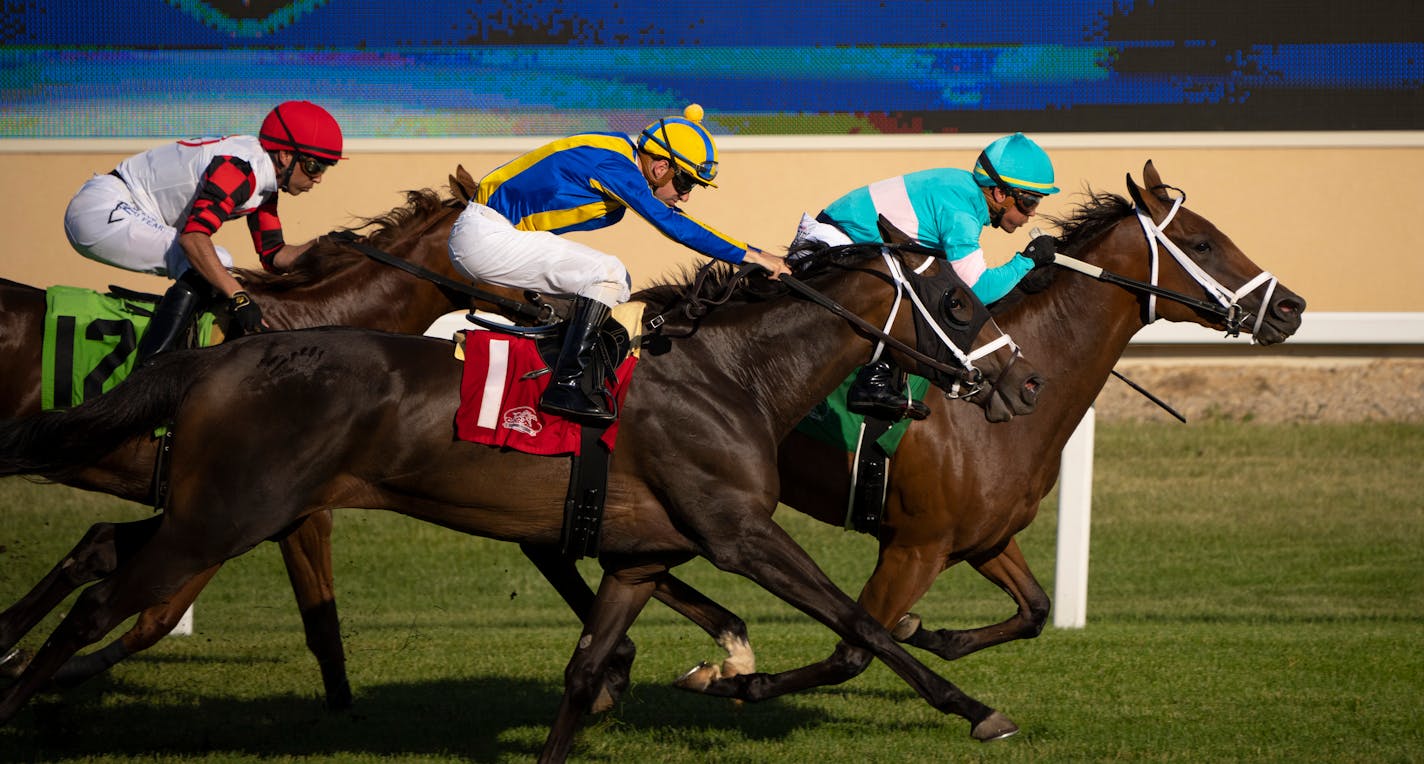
x: 335, y: 283
x: 959, y: 491
x: 691, y: 476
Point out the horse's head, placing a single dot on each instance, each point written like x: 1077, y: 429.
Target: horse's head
x: 956, y: 345
x: 1006, y: 384
x: 1190, y: 256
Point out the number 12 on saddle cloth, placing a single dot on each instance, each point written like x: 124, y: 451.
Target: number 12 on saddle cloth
x: 499, y: 398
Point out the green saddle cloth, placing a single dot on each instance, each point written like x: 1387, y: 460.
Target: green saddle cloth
x: 90, y: 339
x: 831, y: 423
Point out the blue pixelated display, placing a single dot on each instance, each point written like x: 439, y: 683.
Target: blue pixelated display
x: 160, y: 68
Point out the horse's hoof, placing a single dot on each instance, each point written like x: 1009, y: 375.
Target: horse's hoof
x: 906, y: 627
x: 699, y: 677
x: 14, y: 663
x: 995, y: 726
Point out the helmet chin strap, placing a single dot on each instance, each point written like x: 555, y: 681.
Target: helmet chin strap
x: 287, y: 173
x: 647, y: 175
x: 996, y: 216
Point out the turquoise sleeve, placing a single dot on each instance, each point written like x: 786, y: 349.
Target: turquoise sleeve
x: 1000, y: 280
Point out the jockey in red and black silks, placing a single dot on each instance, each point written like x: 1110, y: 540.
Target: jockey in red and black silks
x: 157, y: 211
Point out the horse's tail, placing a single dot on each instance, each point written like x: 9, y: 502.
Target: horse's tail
x: 56, y: 444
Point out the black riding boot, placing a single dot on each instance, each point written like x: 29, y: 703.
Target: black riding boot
x: 171, y: 316
x: 566, y: 395
x: 879, y: 391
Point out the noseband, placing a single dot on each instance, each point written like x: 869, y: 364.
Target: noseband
x: 1227, y: 305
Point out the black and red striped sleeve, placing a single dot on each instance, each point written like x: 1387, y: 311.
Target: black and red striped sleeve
x: 266, y: 230
x: 226, y: 185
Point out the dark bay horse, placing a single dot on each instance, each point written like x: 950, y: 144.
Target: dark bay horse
x: 959, y: 491
x: 331, y: 418
x: 333, y: 284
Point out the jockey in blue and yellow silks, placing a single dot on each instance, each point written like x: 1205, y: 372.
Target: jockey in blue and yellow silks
x: 509, y: 233
x: 945, y: 209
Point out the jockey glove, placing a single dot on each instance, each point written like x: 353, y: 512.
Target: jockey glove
x: 248, y: 315
x: 1041, y: 250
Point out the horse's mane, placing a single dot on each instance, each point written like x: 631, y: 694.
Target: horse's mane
x: 330, y: 254
x: 719, y: 283
x: 1084, y: 223
x: 1089, y: 219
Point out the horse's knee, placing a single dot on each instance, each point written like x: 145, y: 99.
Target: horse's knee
x: 851, y: 661
x: 94, y: 557
x: 1038, y: 608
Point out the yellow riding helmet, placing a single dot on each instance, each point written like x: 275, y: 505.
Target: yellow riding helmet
x: 684, y: 141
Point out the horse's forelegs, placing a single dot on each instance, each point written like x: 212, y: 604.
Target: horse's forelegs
x: 94, y: 614
x: 307, y: 554
x: 621, y: 596
x: 564, y: 576
x: 780, y: 566
x: 1010, y: 572
x: 153, y: 624
x: 97, y: 555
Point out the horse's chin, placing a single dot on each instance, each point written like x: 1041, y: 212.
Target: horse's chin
x: 1270, y: 334
x: 996, y: 410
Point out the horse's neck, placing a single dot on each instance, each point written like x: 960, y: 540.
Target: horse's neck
x: 365, y: 294
x: 1075, y: 332
x: 782, y: 363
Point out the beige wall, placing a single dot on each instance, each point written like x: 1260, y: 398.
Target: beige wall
x: 1344, y: 227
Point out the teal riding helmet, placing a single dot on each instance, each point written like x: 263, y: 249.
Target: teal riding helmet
x: 1015, y: 160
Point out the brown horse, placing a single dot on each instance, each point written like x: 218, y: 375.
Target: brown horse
x: 332, y: 418
x: 334, y: 284
x: 959, y: 491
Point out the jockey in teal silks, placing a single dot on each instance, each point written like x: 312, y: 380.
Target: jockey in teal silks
x: 945, y: 209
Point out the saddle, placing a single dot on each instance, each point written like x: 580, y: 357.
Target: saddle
x: 90, y: 339
x: 588, y: 471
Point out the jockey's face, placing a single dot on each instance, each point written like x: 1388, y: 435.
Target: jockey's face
x: 1012, y: 215
x: 300, y: 180
x: 665, y: 184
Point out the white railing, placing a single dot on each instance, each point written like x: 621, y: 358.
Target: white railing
x: 1075, y: 482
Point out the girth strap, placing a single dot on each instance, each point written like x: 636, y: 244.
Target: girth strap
x: 868, y: 479
x: 588, y: 490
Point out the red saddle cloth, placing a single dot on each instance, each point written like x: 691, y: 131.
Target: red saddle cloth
x: 499, y: 398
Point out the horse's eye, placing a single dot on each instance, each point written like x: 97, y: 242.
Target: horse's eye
x: 1202, y: 246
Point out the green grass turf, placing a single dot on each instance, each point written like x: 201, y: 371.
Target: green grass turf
x: 1256, y: 595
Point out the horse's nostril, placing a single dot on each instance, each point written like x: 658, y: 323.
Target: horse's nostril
x: 1032, y: 387
x: 1287, y: 308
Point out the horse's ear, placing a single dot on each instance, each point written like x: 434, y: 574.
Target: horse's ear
x: 462, y: 186
x: 1154, y: 186
x: 1153, y: 181
x: 1136, y: 194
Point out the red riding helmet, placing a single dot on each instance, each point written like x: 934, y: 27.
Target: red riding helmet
x: 303, y: 127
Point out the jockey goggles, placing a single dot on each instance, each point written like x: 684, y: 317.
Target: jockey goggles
x: 681, y: 182
x: 706, y: 171
x: 313, y: 166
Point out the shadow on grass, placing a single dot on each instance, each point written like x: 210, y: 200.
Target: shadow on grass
x: 479, y: 720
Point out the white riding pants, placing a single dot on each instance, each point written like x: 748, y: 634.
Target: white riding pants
x: 484, y: 246
x: 103, y: 223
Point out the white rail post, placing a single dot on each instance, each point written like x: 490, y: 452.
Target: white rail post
x: 1075, y: 510
x: 184, y: 627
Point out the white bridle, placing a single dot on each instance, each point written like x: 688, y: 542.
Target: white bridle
x: 965, y: 359
x: 1224, y: 297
